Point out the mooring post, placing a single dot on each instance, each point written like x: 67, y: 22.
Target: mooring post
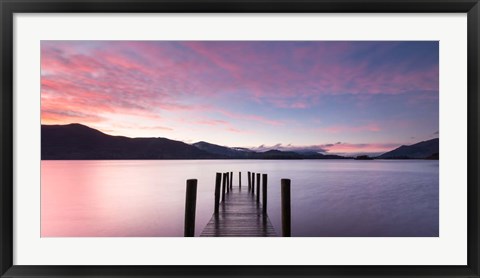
x: 286, y: 209
x: 253, y: 183
x: 224, y: 184
x: 231, y: 180
x: 218, y: 182
x: 258, y: 187
x: 190, y: 206
x: 264, y: 194
x: 240, y: 179
x: 228, y: 181
x: 249, y: 181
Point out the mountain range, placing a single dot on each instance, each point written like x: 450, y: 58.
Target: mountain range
x: 422, y: 150
x: 77, y: 142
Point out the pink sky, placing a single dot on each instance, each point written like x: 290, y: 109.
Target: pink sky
x: 372, y: 96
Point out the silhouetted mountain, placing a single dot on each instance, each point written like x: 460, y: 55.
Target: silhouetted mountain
x: 76, y: 141
x: 422, y: 150
x: 434, y: 156
x: 323, y: 156
x: 244, y: 153
x: 242, y: 149
x: 363, y: 157
x: 276, y: 154
x: 221, y: 150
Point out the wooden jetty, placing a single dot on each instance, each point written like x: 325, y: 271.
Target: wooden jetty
x: 240, y: 215
x: 240, y: 212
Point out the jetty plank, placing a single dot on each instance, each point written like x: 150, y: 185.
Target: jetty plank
x: 240, y: 215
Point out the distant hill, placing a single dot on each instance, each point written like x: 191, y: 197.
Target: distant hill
x: 276, y: 154
x: 222, y: 150
x: 76, y: 141
x: 422, y: 150
x: 244, y: 153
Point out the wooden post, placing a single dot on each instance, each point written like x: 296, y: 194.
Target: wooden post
x: 231, y: 180
x: 253, y: 183
x: 286, y: 209
x: 264, y: 194
x: 190, y: 206
x: 258, y: 187
x: 218, y: 181
x: 228, y: 181
x: 224, y: 184
x: 249, y: 181
x: 240, y: 179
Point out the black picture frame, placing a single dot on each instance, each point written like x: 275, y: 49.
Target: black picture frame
x: 10, y: 7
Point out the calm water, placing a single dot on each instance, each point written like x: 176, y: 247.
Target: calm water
x: 329, y: 197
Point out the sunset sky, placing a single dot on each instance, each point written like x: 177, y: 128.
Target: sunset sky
x: 334, y: 97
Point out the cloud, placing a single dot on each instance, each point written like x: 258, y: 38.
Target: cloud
x: 165, y: 128
x: 346, y: 148
x: 65, y: 117
x: 212, y: 122
x: 235, y: 130
x: 88, y: 81
x: 333, y: 148
x: 290, y: 147
x: 221, y: 125
x: 152, y: 131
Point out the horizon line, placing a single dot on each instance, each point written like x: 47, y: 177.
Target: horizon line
x: 262, y: 147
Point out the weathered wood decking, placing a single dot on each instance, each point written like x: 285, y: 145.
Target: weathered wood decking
x: 240, y: 215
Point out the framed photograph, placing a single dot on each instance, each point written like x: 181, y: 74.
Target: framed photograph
x: 235, y: 138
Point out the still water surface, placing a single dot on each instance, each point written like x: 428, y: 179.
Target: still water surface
x: 146, y: 198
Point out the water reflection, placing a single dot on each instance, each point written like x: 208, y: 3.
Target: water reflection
x: 329, y: 198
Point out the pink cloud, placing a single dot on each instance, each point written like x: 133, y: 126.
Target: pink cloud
x: 221, y: 125
x: 66, y: 117
x: 290, y: 147
x: 84, y: 81
x: 234, y: 130
x: 155, y: 128
x: 292, y: 103
x: 212, y: 122
x: 124, y: 130
x: 356, y: 148
x: 335, y: 148
x: 219, y: 60
x: 237, y: 66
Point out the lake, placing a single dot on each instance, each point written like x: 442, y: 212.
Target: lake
x: 330, y: 198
